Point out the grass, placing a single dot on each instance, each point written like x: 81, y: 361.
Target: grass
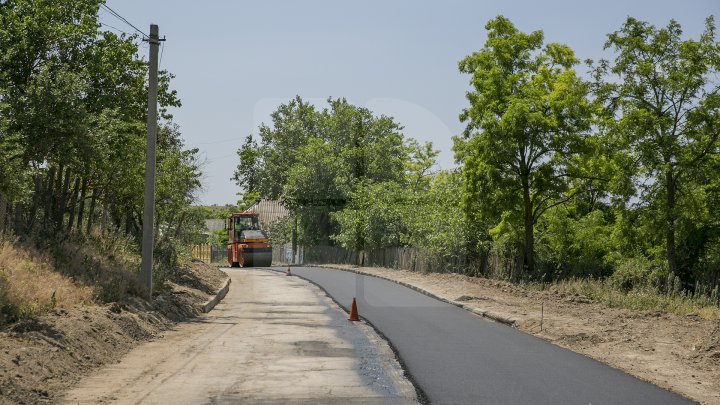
x: 81, y: 270
x: 642, y: 298
x: 29, y: 284
x: 107, y: 262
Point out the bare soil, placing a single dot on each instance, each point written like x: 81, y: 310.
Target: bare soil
x: 679, y: 353
x: 40, y: 358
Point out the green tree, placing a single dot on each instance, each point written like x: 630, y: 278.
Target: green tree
x: 525, y: 124
x: 663, y: 106
x: 433, y: 216
x: 72, y: 128
x: 401, y: 211
x: 312, y: 193
x: 40, y: 53
x: 265, y: 168
x: 246, y: 174
x: 313, y: 160
x: 373, y: 217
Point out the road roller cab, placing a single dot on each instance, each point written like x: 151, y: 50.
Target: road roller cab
x: 248, y: 245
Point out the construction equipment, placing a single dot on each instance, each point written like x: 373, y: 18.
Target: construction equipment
x: 247, y: 245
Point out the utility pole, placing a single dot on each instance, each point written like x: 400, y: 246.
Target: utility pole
x: 149, y: 199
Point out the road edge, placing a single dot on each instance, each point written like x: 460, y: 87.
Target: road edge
x: 421, y: 397
x: 477, y: 311
x: 210, y: 304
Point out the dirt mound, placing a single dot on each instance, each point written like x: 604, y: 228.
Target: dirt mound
x: 40, y: 358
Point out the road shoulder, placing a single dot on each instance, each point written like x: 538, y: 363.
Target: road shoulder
x: 273, y: 339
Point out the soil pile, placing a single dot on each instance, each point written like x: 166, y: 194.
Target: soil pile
x: 40, y: 358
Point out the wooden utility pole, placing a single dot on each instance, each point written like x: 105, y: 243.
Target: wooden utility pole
x: 149, y: 199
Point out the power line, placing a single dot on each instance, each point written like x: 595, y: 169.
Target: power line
x: 123, y: 19
x: 115, y: 28
x: 162, y: 51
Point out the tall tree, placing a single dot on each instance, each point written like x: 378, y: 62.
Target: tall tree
x: 663, y: 97
x: 41, y: 44
x: 72, y: 117
x: 525, y: 124
x: 313, y: 160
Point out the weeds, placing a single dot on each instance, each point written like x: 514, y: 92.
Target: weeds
x: 107, y: 262
x: 79, y: 270
x: 37, y: 276
x: 670, y: 299
x: 29, y: 286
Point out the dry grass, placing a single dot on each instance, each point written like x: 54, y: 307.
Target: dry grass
x: 29, y: 285
x: 106, y: 262
x: 639, y: 299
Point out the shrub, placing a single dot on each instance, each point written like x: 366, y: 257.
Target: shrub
x: 636, y: 273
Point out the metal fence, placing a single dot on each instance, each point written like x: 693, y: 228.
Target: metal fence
x: 414, y: 259
x: 411, y: 259
x: 283, y: 254
x: 405, y: 258
x: 209, y: 253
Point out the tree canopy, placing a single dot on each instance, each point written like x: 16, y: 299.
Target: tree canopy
x: 662, y: 109
x: 313, y: 161
x: 526, y: 123
x: 73, y: 106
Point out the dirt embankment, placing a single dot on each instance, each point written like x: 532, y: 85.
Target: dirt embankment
x: 40, y: 358
x: 679, y: 353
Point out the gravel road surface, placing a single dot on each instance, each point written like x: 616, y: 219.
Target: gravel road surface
x: 272, y: 340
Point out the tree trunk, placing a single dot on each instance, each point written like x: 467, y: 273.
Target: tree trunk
x: 104, y: 218
x: 56, y: 191
x: 179, y: 224
x: 62, y: 201
x: 156, y: 223
x: 670, y: 250
x: 91, y: 212
x: 18, y: 221
x: 529, y: 246
x: 128, y: 223
x: 49, y: 188
x: 81, y: 207
x: 36, y: 200
x: 104, y: 214
x: 3, y: 212
x: 73, y: 203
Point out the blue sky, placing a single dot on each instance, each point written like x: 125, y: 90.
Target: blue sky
x: 235, y: 61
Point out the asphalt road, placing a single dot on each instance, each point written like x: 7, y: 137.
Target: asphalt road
x: 456, y: 357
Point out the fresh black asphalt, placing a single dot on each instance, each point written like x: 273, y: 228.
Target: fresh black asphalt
x: 456, y: 357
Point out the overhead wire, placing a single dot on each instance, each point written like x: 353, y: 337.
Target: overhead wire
x: 123, y: 19
x: 115, y: 28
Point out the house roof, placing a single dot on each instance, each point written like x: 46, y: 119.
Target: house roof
x: 213, y: 225
x: 268, y: 211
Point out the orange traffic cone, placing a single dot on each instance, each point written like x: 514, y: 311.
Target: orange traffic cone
x: 288, y: 272
x: 353, y: 312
